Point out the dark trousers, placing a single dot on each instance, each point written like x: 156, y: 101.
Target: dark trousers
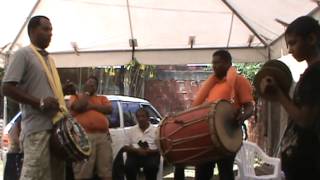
x: 150, y: 165
x: 12, y: 168
x: 179, y: 172
x: 225, y: 166
x: 305, y: 166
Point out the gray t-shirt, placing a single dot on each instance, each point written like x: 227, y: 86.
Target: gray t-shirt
x: 25, y: 69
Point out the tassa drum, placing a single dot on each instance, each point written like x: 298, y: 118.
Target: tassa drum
x: 203, y: 133
x: 69, y: 140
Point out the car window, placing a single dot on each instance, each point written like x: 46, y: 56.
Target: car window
x: 154, y: 117
x: 114, y: 117
x: 129, y: 109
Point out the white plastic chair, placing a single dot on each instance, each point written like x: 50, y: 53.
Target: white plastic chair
x: 246, y: 159
x: 160, y: 170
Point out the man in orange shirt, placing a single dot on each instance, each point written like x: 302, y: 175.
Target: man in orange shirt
x: 226, y: 84
x: 90, y: 111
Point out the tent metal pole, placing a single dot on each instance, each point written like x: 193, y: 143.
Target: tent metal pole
x: 24, y: 25
x: 80, y: 79
x: 131, y: 30
x: 130, y: 21
x: 309, y: 14
x: 244, y: 22
x: 230, y: 30
x: 269, y: 52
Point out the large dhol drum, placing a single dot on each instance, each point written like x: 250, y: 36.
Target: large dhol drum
x: 203, y: 133
x: 69, y: 140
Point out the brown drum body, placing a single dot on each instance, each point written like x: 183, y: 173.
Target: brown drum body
x: 207, y: 132
x: 281, y: 74
x: 69, y: 141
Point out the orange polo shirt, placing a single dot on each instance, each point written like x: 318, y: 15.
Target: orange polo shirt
x: 222, y: 90
x: 214, y: 89
x: 92, y: 121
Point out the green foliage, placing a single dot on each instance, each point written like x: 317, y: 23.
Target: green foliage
x: 249, y: 70
x: 136, y: 75
x: 141, y: 70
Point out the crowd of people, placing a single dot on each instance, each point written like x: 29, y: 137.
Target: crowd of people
x: 31, y: 79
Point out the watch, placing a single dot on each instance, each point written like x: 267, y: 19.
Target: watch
x: 41, y: 106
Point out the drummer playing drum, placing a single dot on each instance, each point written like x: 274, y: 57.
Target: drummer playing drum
x: 225, y: 84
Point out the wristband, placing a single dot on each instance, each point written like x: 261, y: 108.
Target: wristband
x: 41, y: 106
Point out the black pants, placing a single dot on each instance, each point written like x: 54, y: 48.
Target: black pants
x: 150, y: 165
x: 225, y: 167
x: 13, y: 166
x: 305, y: 166
x: 179, y: 172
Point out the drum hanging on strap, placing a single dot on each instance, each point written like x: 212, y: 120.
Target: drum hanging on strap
x: 69, y: 140
x: 203, y: 133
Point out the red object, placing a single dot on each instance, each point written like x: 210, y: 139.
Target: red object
x: 202, y: 133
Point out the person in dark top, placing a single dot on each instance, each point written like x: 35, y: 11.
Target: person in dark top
x: 300, y: 146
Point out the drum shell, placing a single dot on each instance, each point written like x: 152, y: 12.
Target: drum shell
x: 191, y: 137
x: 55, y: 143
x: 64, y: 145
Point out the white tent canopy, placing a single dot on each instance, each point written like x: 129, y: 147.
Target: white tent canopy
x: 100, y: 30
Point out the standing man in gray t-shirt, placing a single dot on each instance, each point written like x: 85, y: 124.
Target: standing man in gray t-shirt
x: 26, y: 81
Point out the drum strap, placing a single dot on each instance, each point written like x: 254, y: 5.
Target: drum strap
x: 231, y: 80
x: 54, y: 81
x: 205, y: 88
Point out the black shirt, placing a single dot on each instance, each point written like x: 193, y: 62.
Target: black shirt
x: 300, y: 147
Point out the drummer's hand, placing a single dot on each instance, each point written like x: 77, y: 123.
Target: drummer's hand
x: 270, y: 88
x: 240, y: 117
x: 82, y: 103
x: 50, y: 104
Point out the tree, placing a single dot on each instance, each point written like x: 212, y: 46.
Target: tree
x: 249, y: 70
x: 136, y: 76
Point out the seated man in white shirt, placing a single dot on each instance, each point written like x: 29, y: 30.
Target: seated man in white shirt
x: 141, y: 149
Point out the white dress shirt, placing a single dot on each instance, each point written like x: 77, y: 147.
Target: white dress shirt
x: 135, y: 134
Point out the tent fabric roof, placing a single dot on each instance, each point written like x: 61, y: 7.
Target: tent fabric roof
x: 101, y: 29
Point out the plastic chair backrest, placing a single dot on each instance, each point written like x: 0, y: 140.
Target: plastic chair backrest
x: 246, y: 154
x: 247, y: 158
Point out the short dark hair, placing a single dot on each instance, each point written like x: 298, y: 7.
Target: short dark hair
x: 69, y: 88
x: 143, y: 110
x: 94, y: 78
x: 303, y: 26
x: 224, y: 54
x: 35, y: 22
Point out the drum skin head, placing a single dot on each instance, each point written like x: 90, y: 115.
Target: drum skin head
x: 228, y: 130
x: 69, y: 140
x: 279, y: 71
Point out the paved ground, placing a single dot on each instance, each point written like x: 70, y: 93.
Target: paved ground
x: 189, y: 173
x: 168, y: 172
